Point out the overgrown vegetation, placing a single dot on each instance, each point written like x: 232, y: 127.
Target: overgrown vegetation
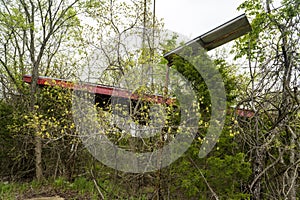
x: 42, y: 153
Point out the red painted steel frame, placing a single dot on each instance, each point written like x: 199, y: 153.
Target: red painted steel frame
x: 97, y: 89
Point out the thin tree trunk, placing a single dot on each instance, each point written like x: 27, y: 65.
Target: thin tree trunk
x: 293, y: 171
x: 257, y: 169
x: 37, y: 138
x: 33, y: 92
x: 38, y: 158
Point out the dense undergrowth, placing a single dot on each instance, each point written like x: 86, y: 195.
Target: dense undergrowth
x: 80, y: 188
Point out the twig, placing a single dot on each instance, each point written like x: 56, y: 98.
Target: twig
x: 211, y: 190
x: 97, y: 186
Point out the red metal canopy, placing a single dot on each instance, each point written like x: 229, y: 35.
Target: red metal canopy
x: 98, y: 89
x: 104, y: 92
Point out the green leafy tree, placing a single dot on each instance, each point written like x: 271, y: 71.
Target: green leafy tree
x: 33, y: 33
x: 271, y: 135
x: 226, y: 163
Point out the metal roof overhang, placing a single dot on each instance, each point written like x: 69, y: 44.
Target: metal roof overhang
x: 227, y: 32
x: 99, y: 90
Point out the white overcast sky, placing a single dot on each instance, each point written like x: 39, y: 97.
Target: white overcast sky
x: 196, y: 17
